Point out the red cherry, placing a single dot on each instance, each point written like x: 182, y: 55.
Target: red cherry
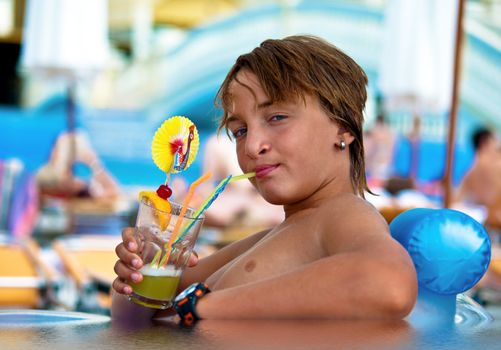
x: 164, y: 191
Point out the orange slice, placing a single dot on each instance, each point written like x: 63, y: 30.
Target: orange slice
x: 160, y: 204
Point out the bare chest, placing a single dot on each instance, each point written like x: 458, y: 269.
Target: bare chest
x: 282, y: 250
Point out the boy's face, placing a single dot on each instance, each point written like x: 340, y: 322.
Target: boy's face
x: 290, y: 145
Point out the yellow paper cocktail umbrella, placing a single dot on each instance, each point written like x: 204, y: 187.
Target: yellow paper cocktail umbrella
x: 174, y: 147
x: 175, y: 144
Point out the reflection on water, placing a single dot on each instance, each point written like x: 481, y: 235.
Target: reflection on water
x: 44, y: 318
x: 469, y: 315
x: 474, y: 329
x: 306, y: 334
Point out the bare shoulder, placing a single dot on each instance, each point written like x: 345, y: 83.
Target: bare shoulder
x: 348, y: 210
x: 351, y: 223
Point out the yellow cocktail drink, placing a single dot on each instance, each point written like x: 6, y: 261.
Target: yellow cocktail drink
x: 166, y: 232
x: 158, y: 287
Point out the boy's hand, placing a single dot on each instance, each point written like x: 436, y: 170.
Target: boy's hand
x: 129, y: 262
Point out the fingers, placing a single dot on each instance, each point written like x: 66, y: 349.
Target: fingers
x: 124, y: 274
x: 128, y: 264
x: 129, y: 240
x: 120, y: 287
x: 193, y: 260
x: 131, y: 259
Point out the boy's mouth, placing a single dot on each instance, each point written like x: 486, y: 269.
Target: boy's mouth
x: 263, y: 170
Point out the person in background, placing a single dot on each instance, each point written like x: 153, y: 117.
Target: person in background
x: 481, y: 186
x: 379, y: 147
x: 57, y: 177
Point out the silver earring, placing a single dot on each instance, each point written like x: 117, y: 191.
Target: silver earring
x: 342, y: 145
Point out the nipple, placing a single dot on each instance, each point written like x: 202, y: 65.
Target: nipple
x: 250, y: 265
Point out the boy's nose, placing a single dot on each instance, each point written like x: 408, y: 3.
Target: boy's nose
x: 256, y: 144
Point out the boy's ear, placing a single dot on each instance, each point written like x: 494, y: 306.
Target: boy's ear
x: 345, y: 135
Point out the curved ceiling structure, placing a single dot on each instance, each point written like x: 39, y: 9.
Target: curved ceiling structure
x: 195, y: 68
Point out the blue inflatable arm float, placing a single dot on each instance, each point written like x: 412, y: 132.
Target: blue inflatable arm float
x: 451, y: 252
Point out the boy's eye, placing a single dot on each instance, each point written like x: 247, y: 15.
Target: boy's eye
x: 239, y: 132
x: 278, y: 117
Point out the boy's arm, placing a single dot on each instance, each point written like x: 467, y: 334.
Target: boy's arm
x: 368, y: 275
x: 349, y: 285
x: 123, y: 310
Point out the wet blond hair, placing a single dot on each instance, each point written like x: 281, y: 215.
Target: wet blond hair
x: 296, y: 66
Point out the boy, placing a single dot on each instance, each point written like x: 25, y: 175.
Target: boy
x: 294, y: 107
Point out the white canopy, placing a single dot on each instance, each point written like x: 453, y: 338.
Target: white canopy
x: 417, y: 55
x: 65, y: 37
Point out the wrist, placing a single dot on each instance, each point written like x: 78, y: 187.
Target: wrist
x: 187, y: 302
x: 203, y: 306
